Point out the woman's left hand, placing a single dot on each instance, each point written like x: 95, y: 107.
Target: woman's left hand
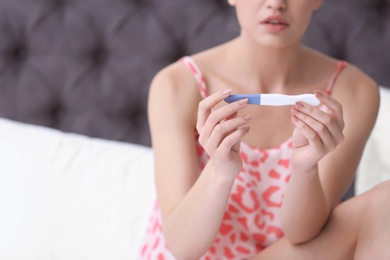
x: 318, y: 131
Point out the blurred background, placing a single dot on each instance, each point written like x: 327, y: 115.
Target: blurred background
x: 85, y: 66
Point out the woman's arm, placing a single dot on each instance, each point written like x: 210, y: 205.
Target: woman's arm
x: 315, y: 188
x: 192, y: 205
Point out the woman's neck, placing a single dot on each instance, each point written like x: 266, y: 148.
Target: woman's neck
x: 268, y: 69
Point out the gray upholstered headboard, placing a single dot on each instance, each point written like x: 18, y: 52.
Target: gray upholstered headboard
x: 85, y: 66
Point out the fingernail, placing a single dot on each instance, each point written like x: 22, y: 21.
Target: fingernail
x: 226, y: 91
x: 246, y: 129
x: 299, y: 105
x: 243, y: 101
x: 247, y: 117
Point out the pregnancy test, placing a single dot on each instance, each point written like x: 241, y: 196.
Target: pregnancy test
x: 274, y: 99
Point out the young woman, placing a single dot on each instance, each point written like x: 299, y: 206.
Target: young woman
x: 240, y: 181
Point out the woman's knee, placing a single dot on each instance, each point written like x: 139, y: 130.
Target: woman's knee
x: 382, y: 190
x: 375, y: 229
x: 378, y: 197
x: 385, y: 184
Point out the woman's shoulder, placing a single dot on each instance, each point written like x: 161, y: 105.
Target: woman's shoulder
x: 174, y: 90
x: 181, y: 72
x: 357, y: 92
x: 351, y: 80
x: 356, y: 85
x: 359, y: 95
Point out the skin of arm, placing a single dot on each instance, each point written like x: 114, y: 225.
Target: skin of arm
x: 192, y: 205
x: 313, y: 192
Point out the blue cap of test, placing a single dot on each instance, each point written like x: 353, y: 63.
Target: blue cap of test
x: 254, y: 99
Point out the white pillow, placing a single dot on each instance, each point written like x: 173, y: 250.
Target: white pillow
x: 67, y: 196
x: 375, y: 164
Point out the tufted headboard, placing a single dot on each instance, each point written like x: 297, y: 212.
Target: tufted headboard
x: 85, y: 66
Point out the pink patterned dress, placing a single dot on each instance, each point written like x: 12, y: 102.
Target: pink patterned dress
x: 252, y: 220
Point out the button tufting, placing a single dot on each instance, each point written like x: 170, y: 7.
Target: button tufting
x: 17, y: 53
x: 59, y: 3
x: 222, y: 3
x: 55, y: 113
x: 179, y: 53
x: 99, y: 55
x: 138, y: 3
x: 382, y: 7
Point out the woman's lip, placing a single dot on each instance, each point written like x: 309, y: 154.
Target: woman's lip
x: 276, y: 18
x: 279, y: 26
x: 274, y: 27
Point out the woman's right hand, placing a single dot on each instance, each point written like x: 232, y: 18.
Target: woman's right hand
x: 220, y: 131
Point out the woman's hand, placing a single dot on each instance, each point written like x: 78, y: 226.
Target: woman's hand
x: 220, y: 131
x: 318, y: 131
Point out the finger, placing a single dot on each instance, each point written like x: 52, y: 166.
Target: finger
x: 234, y: 115
x: 226, y: 112
x: 207, y: 104
x: 231, y: 116
x: 223, y: 113
x: 313, y: 129
x: 226, y: 128
x: 332, y: 104
x: 324, y: 118
x: 327, y: 100
x: 232, y: 141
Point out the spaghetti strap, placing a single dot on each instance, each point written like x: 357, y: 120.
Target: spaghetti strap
x: 190, y: 63
x: 340, y: 66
